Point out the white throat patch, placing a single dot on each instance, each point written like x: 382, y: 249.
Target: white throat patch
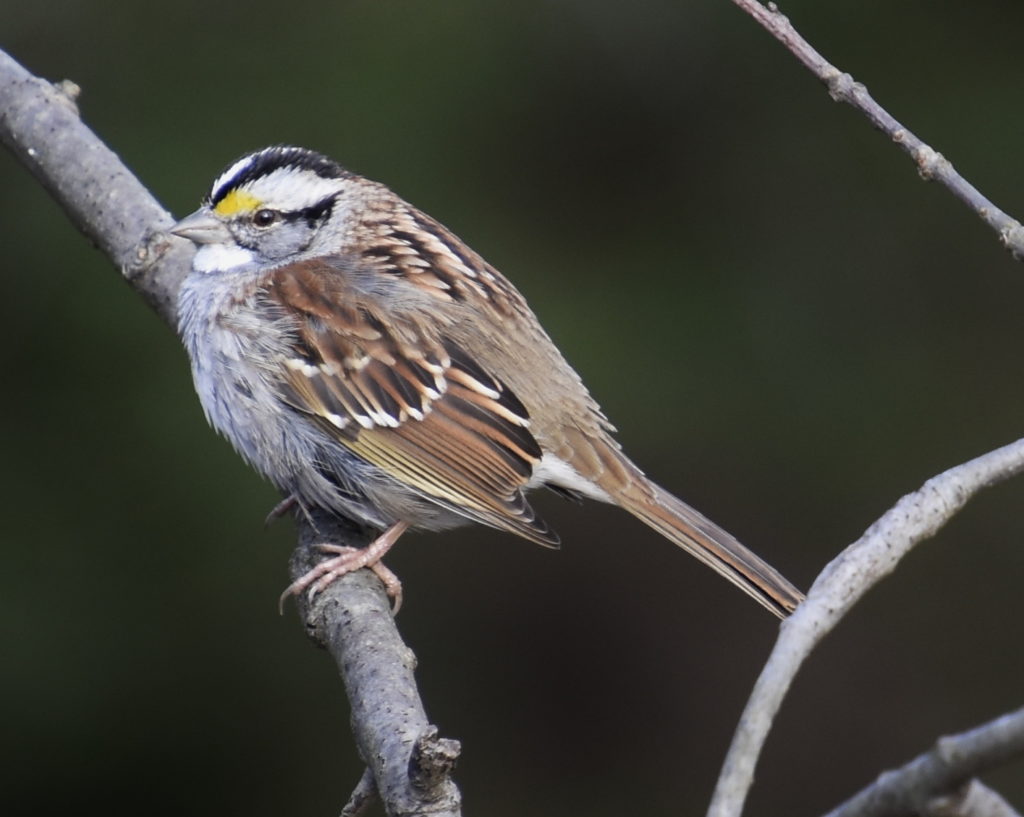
x: 221, y: 258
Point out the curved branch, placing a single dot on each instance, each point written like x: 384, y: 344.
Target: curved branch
x: 39, y: 123
x: 915, y: 518
x: 843, y: 88
x: 942, y: 771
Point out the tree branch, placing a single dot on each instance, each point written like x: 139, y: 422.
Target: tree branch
x: 39, y: 123
x: 917, y: 787
x: 915, y: 518
x: 411, y: 765
x: 843, y: 88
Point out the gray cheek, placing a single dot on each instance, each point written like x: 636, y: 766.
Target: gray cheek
x: 284, y: 241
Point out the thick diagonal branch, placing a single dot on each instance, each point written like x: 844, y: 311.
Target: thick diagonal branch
x: 39, y: 123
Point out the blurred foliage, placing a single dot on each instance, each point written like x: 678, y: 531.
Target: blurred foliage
x: 790, y: 329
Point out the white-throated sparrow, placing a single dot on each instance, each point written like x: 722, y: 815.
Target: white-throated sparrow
x: 368, y: 362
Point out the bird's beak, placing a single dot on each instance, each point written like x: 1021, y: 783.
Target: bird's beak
x: 202, y: 227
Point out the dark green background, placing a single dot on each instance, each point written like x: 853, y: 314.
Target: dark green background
x: 789, y: 327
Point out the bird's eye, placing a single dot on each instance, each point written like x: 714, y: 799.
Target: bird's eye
x: 264, y: 218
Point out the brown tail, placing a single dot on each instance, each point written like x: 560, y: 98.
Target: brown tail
x: 699, y: 536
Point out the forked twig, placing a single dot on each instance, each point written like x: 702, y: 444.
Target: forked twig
x: 915, y: 518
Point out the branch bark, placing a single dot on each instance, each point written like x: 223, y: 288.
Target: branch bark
x: 39, y: 124
x: 411, y: 766
x: 915, y: 518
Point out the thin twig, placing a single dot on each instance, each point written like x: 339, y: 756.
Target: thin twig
x: 843, y: 88
x: 916, y: 787
x: 913, y: 519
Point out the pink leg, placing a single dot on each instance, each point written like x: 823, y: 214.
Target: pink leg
x: 349, y: 559
x: 280, y: 509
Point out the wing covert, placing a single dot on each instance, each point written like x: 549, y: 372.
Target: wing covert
x: 407, y: 400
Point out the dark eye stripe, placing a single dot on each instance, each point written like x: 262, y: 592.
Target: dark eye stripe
x: 311, y: 215
x: 317, y: 212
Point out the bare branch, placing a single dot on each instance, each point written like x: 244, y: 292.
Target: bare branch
x: 843, y: 88
x: 840, y: 585
x: 39, y: 123
x: 913, y: 519
x: 411, y: 764
x: 930, y: 783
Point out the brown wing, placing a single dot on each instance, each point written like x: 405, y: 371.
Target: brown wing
x: 402, y: 397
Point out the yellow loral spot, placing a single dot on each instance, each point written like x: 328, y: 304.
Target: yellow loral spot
x: 235, y: 202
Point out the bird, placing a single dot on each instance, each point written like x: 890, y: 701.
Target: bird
x: 370, y: 364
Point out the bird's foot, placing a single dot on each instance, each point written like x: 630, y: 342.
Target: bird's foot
x: 348, y: 559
